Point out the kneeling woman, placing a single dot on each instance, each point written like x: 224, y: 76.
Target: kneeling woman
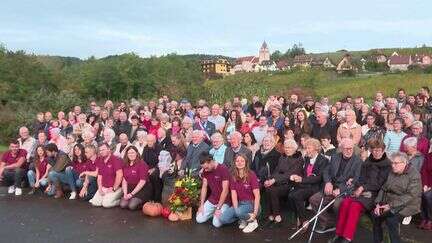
x: 136, y: 189
x: 373, y: 174
x: 39, y: 177
x: 245, y: 196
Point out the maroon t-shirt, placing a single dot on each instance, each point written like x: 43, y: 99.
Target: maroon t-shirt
x: 10, y: 159
x: 136, y: 172
x: 108, y: 170
x: 214, y: 180
x: 245, y: 189
x: 42, y: 167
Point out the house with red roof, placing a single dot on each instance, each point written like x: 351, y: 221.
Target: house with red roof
x: 399, y: 62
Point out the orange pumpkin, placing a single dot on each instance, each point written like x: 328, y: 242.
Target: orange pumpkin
x: 152, y: 209
x: 173, y: 217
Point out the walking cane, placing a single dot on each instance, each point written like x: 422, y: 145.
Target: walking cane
x: 318, y: 214
x: 316, y: 220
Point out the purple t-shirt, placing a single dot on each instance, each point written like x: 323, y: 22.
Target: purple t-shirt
x: 245, y: 189
x: 108, y: 170
x: 10, y: 159
x: 214, y: 180
x: 136, y: 172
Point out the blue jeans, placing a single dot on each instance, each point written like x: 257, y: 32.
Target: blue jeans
x: 69, y: 177
x: 207, y: 213
x: 241, y: 212
x: 31, y: 176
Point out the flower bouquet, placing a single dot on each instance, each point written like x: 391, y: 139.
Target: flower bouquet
x: 186, y: 194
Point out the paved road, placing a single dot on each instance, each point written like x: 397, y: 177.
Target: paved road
x: 41, y: 219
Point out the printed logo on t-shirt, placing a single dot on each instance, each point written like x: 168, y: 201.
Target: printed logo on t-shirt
x: 246, y: 186
x: 109, y: 165
x: 133, y: 172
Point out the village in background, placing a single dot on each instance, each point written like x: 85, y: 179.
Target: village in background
x: 342, y: 62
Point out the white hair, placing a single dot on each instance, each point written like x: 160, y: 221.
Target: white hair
x: 410, y: 142
x: 216, y: 136
x: 417, y: 124
x: 402, y: 156
x: 110, y: 132
x: 198, y: 132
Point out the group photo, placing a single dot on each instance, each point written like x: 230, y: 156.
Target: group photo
x: 215, y: 121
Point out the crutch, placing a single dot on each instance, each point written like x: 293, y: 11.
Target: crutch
x: 316, y: 215
x: 316, y: 220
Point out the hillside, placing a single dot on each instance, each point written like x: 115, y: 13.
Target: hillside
x: 318, y: 83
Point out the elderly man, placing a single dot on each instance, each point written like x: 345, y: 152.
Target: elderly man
x: 150, y: 155
x: 218, y: 148
x: 122, y: 146
x: 26, y: 142
x: 59, y: 140
x: 123, y: 126
x: 204, y: 124
x: 12, y: 168
x: 216, y: 118
x: 194, y: 150
x: 322, y: 126
x: 236, y: 147
x: 342, y: 172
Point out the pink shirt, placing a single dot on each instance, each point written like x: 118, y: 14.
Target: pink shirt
x: 108, y: 170
x: 245, y: 189
x: 10, y: 159
x: 136, y: 172
x: 214, y: 179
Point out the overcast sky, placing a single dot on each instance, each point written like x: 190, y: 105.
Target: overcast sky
x: 227, y: 27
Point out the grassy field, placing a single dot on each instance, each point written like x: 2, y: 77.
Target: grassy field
x: 318, y: 83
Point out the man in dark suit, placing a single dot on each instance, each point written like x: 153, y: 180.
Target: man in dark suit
x: 342, y: 172
x: 204, y: 124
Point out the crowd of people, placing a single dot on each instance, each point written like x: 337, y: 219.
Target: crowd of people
x: 256, y: 159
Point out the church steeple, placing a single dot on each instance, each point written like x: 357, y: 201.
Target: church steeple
x: 264, y: 53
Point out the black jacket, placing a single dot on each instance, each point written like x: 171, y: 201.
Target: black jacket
x: 373, y: 175
x: 265, y: 164
x: 287, y: 166
x: 315, y: 180
x: 151, y: 155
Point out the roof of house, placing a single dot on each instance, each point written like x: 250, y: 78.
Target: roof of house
x: 398, y: 60
x: 264, y: 45
x: 251, y: 59
x: 302, y: 59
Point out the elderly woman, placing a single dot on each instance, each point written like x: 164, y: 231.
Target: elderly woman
x: 399, y: 197
x: 374, y: 173
x: 308, y: 181
x: 351, y: 126
x: 108, y: 137
x: 415, y: 158
x: 141, y: 141
x: 279, y: 184
x: 266, y: 159
x: 426, y: 206
x: 187, y: 129
x: 218, y: 147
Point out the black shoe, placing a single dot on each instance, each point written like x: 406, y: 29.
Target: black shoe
x: 277, y: 224
x: 344, y: 240
x: 335, y: 239
x: 324, y: 229
x: 268, y: 223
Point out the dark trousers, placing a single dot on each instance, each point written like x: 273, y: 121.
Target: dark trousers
x: 14, y: 177
x: 92, y: 188
x: 392, y: 221
x: 297, y: 198
x: 273, y: 195
x: 157, y: 185
x: 426, y: 205
x: 328, y: 217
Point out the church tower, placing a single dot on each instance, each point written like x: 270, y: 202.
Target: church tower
x: 264, y: 54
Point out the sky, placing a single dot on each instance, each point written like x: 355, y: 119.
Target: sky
x: 223, y: 27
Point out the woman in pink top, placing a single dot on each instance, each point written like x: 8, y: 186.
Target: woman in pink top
x: 136, y: 190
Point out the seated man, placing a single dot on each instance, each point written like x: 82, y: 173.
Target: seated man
x: 109, y: 179
x: 12, y: 167
x: 194, y: 150
x: 342, y: 172
x: 215, y: 177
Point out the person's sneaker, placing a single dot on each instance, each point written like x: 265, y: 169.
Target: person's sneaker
x: 73, y: 196
x: 242, y: 224
x: 324, y: 229
x: 335, y: 239
x: 251, y: 227
x: 32, y: 191
x: 11, y: 190
x: 406, y: 220
x: 18, y: 191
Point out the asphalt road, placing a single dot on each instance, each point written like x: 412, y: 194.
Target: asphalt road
x: 41, y: 219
